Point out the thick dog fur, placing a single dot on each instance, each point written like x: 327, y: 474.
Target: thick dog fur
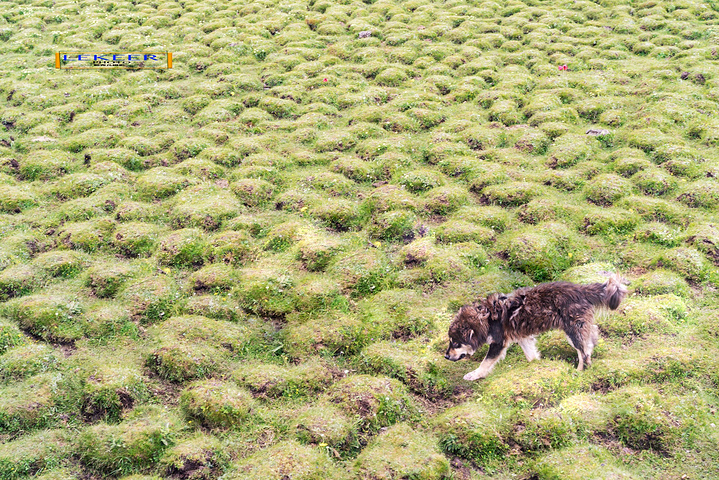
x: 501, y: 320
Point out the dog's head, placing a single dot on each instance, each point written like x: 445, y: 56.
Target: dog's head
x: 467, y: 332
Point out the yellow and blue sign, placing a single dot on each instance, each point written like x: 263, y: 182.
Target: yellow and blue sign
x: 131, y: 60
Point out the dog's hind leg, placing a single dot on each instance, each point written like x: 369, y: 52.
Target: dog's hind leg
x: 593, y: 342
x: 580, y: 336
x: 529, y: 347
x: 496, y: 352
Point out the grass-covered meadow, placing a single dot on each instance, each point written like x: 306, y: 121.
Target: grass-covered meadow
x: 244, y: 267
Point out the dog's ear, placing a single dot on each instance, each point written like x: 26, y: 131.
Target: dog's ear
x: 516, y: 302
x: 513, y: 306
x: 472, y: 339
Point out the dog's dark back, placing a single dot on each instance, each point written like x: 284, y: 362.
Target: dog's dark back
x: 554, y: 305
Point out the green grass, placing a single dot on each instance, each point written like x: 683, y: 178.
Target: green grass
x: 245, y: 266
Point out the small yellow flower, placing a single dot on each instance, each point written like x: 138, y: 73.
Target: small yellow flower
x: 323, y: 444
x: 303, y: 209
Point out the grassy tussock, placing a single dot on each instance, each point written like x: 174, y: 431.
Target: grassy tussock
x: 277, y: 232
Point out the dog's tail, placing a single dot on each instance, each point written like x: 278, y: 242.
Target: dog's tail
x: 610, y: 294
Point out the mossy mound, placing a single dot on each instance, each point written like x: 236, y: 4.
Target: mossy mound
x: 421, y: 180
x: 339, y: 214
x: 216, y: 277
x: 542, y: 383
x: 638, y: 316
x: 190, y: 347
x: 26, y: 360
x: 654, y: 182
x: 395, y: 313
x: 203, y: 206
x: 413, y: 364
x: 59, y: 263
x: 129, y: 211
x: 79, y: 185
x: 317, y: 251
x: 628, y: 162
x: 325, y: 423
x: 161, y: 182
x: 496, y: 218
x: 37, y: 452
x: 106, y: 279
x: 657, y: 209
x: 10, y: 336
x: 512, y: 194
x: 389, y: 197
x: 705, y: 238
x: 445, y: 200
x: 543, y: 429
x: 660, y: 282
x: 586, y: 412
x: 46, y: 165
x: 216, y: 404
x: 402, y: 452
x: 363, y: 273
x: 333, y: 332
x: 19, y: 280
x: 652, y: 360
x: 379, y: 401
x: 686, y: 261
x: 393, y: 226
x: 570, y: 149
x: 52, y: 317
x: 285, y: 458
x: 108, y: 319
x: 199, y: 457
x: 150, y: 298
x: 270, y: 380
x: 542, y: 251
x: 647, y: 139
x: 546, y: 209
x: 187, y: 247
x: 266, y: 291
x: 596, y: 463
x: 253, y: 192
x: 595, y: 272
x: 28, y: 404
x: 111, y: 390
x: 87, y: 236
x: 457, y: 231
x: 231, y: 247
x: 610, y: 221
x: 94, y: 138
x: 607, y: 189
x: 640, y: 422
x: 213, y: 306
x: 660, y: 234
x: 282, y: 236
x: 133, y: 445
x: 703, y: 193
x: 474, y: 432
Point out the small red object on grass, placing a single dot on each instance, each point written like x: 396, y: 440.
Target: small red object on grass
x: 563, y: 67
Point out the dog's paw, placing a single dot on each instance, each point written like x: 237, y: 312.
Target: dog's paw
x: 472, y: 376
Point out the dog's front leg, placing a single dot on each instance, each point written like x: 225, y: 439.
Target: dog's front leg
x: 529, y: 347
x: 496, y: 352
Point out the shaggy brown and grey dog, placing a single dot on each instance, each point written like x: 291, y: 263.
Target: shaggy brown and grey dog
x: 501, y: 320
